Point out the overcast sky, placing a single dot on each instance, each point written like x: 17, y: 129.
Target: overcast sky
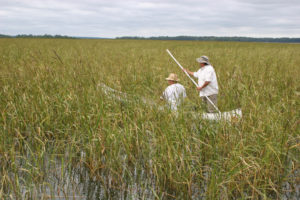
x: 113, y: 18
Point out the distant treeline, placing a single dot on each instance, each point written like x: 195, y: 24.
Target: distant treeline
x: 197, y: 38
x: 35, y: 36
x: 213, y: 38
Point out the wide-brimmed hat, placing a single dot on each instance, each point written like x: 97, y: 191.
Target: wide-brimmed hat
x: 203, y: 59
x: 172, y: 77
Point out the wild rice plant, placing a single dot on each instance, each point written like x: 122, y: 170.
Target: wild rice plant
x: 62, y: 136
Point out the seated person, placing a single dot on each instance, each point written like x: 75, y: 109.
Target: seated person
x: 174, y: 93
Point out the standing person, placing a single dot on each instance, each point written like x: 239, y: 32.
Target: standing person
x: 207, y: 82
x: 174, y: 93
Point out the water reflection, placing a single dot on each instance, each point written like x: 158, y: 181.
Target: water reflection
x: 65, y: 178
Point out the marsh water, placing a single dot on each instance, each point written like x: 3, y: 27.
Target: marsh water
x: 62, y: 178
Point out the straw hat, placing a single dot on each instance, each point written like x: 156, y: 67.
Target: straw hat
x: 172, y: 77
x: 203, y: 59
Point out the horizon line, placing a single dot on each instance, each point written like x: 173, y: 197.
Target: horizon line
x: 148, y: 37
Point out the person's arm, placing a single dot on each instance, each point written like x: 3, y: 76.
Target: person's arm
x: 189, y: 72
x: 164, y: 95
x: 208, y: 79
x: 203, y: 86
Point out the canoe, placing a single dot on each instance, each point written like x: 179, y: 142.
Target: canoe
x: 232, y: 115
x: 228, y: 116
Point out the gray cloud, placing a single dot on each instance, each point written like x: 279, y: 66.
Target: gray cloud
x: 267, y: 18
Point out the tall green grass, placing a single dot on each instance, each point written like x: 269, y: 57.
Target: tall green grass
x: 53, y: 112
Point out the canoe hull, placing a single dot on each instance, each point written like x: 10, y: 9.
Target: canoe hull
x: 230, y: 115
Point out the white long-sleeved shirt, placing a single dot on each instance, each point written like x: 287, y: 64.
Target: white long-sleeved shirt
x: 207, y: 73
x: 174, y: 95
